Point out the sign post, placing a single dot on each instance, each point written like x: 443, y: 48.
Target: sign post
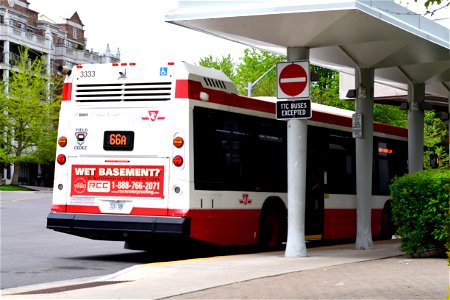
x: 293, y: 88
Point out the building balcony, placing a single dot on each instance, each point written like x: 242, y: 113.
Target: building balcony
x: 22, y: 37
x: 81, y: 56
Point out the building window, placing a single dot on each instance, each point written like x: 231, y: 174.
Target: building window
x: 74, y: 33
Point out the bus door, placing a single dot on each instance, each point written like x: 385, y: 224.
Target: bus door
x: 314, y: 185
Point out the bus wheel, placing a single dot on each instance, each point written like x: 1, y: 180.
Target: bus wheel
x: 387, y: 229
x: 271, y: 230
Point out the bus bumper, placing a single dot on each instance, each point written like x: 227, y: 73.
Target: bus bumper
x: 117, y: 227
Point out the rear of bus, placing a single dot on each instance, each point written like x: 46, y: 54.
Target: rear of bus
x: 120, y: 163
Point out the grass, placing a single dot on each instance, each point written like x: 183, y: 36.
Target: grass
x: 14, y: 188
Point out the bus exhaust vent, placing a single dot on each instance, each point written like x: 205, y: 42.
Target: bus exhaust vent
x: 215, y: 83
x: 118, y: 92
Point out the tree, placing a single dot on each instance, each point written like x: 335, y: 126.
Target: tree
x: 30, y: 113
x: 435, y: 139
x: 250, y: 67
x: 429, y: 3
x: 253, y: 65
x: 225, y: 64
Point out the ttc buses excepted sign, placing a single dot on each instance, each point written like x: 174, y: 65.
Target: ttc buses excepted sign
x: 293, y: 79
x: 296, y: 109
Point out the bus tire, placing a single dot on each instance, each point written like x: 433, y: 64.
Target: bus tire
x: 273, y: 226
x: 387, y: 229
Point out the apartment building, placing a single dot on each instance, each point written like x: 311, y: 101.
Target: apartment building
x: 61, y: 43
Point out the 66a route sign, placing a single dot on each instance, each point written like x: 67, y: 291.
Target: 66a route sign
x: 293, y: 79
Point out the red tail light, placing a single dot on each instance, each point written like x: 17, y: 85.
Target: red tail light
x: 61, y: 159
x: 178, y: 161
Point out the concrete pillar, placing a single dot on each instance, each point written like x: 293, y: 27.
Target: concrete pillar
x: 6, y: 58
x: 6, y: 50
x: 296, y: 159
x: 364, y: 154
x: 416, y: 96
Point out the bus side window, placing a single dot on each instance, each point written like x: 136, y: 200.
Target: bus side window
x: 340, y: 167
x: 388, y: 163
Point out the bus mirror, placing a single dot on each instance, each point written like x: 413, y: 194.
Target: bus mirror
x: 64, y: 70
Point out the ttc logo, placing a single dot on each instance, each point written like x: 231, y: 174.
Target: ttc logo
x: 245, y: 200
x: 153, y: 115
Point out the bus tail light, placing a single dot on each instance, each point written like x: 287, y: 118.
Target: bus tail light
x: 178, y: 161
x: 61, y: 159
x: 62, y: 141
x: 178, y: 141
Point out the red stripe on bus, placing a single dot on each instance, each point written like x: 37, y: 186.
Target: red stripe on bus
x: 225, y: 227
x: 392, y: 130
x: 341, y: 223
x: 58, y: 208
x: 191, y: 89
x: 67, y: 92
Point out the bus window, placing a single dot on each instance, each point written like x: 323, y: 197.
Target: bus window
x: 389, y: 161
x: 340, y: 166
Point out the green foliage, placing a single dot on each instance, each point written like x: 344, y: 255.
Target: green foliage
x: 30, y: 114
x: 388, y: 114
x: 225, y: 64
x: 435, y: 140
x: 326, y: 89
x: 432, y: 2
x: 420, y: 209
x: 252, y: 66
x: 14, y: 188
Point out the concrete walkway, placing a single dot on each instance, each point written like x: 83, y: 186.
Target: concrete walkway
x: 337, y: 272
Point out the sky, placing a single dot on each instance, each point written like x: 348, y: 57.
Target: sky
x: 139, y: 29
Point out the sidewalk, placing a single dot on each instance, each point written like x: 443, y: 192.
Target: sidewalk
x: 327, y: 272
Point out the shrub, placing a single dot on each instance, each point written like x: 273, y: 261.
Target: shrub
x: 420, y: 209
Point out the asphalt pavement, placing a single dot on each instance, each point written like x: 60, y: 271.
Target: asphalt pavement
x: 335, y: 272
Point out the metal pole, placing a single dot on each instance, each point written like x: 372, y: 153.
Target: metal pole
x: 296, y: 157
x: 364, y: 154
x: 250, y: 85
x: 416, y: 96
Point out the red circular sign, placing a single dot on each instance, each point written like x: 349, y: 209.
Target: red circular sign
x: 293, y: 80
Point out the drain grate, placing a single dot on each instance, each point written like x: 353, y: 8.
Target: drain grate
x: 70, y: 287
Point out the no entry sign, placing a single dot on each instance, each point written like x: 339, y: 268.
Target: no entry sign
x: 293, y: 80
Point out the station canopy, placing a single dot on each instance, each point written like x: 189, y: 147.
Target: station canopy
x: 402, y: 46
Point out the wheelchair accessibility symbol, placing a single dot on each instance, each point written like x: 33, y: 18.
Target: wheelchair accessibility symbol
x: 163, y: 71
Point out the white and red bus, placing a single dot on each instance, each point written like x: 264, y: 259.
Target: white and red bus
x: 155, y: 152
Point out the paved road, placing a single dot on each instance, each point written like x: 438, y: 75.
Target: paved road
x: 32, y: 254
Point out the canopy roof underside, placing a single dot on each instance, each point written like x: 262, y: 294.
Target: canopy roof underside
x: 401, y: 46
